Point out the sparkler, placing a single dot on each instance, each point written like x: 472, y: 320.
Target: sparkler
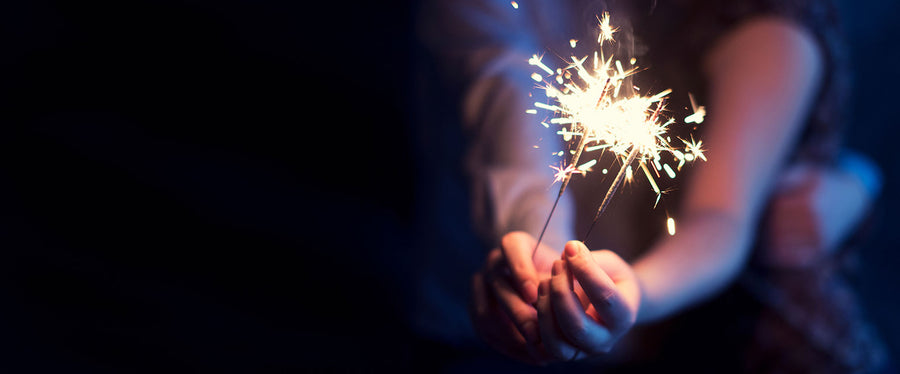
x: 619, y: 178
x: 565, y: 175
x: 589, y: 104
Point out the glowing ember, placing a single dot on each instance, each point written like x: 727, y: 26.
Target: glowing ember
x: 606, y: 31
x: 694, y: 149
x: 563, y: 172
x: 699, y: 112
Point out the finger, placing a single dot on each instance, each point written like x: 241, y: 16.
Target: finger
x: 522, y: 314
x: 499, y: 333
x: 494, y: 260
x: 518, y: 248
x: 504, y: 338
x: 577, y: 327
x: 623, y: 275
x: 551, y: 337
x: 543, y: 259
x: 513, y: 308
x: 598, y: 287
x: 492, y: 325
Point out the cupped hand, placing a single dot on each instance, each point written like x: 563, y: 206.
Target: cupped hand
x: 574, y: 327
x: 503, y: 294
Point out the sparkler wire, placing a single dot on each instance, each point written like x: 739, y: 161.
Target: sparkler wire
x: 562, y: 189
x: 620, y: 177
x: 578, y: 150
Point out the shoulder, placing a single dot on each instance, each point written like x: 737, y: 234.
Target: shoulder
x: 767, y: 43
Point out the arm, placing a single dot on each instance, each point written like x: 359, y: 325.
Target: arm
x: 763, y: 78
x: 481, y: 50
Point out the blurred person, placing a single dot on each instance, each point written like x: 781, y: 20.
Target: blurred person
x: 774, y: 207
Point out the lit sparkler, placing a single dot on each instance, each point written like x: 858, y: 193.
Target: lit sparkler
x: 589, y: 104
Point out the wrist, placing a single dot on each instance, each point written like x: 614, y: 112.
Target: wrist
x: 704, y: 257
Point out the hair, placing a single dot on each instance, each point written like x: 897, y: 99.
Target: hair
x: 699, y: 23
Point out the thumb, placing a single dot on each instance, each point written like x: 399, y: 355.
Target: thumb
x: 600, y: 289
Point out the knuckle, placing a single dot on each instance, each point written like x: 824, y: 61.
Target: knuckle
x: 523, y: 315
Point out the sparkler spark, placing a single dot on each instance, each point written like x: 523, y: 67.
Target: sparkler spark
x: 564, y: 172
x: 699, y: 112
x: 589, y: 105
x: 606, y: 31
x: 694, y: 149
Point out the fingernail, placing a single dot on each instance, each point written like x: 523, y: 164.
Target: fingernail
x: 556, y: 268
x: 571, y: 251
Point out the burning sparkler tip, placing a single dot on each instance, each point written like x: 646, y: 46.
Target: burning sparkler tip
x: 591, y: 110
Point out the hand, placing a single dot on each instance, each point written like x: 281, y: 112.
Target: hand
x: 578, y: 322
x: 503, y: 294
x: 811, y: 212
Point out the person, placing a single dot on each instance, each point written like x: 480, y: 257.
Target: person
x: 776, y: 192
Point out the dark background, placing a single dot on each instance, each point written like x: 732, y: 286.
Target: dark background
x: 207, y: 185
x: 872, y: 27
x: 229, y: 185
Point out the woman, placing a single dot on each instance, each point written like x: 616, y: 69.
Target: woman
x: 771, y: 75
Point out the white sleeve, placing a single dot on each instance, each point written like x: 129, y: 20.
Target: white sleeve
x: 483, y: 48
